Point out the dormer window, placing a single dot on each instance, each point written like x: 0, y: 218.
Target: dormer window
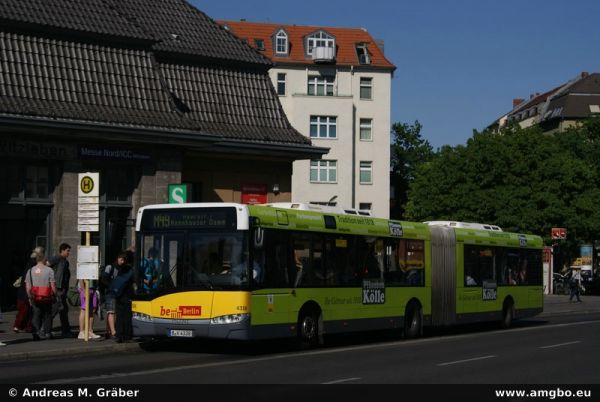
x: 363, y: 54
x: 281, y: 43
x: 319, y: 39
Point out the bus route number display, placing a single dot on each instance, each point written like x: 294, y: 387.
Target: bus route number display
x: 395, y: 229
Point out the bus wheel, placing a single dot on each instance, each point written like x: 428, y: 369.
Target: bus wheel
x: 508, y: 314
x: 413, y: 321
x: 308, y: 329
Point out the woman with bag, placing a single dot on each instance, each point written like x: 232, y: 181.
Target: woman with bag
x: 24, y: 312
x: 41, y: 292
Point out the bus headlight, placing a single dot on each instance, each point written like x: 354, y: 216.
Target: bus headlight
x: 141, y: 317
x: 229, y: 319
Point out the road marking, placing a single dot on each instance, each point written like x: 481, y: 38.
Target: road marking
x: 383, y: 345
x: 559, y: 345
x: 342, y: 380
x: 467, y: 360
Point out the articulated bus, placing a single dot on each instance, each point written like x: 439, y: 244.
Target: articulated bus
x: 246, y: 272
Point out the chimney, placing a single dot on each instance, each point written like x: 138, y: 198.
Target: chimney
x: 517, y: 102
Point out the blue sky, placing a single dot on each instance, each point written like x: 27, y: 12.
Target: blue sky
x: 459, y: 63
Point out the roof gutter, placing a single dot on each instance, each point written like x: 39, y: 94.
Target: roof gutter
x: 300, y: 151
x: 164, y: 136
x: 118, y: 133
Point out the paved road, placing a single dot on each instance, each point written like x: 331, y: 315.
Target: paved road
x: 547, y: 350
x: 21, y: 347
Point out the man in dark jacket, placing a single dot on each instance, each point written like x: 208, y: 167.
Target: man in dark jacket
x: 62, y: 276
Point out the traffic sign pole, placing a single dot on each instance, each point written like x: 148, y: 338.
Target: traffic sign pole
x: 88, y: 220
x: 86, y: 325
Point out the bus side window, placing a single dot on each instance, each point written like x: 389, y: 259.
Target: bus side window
x: 301, y: 257
x: 316, y: 278
x: 346, y: 261
x: 276, y: 272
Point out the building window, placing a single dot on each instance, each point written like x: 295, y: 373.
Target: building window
x: 116, y: 185
x: 26, y: 182
x: 366, y: 88
x: 366, y: 129
x: 281, y: 43
x: 320, y: 86
x: 365, y: 206
x: 281, y: 84
x: 36, y: 182
x: 260, y: 44
x: 323, y: 171
x: 319, y: 39
x: 323, y: 127
x: 363, y: 54
x: 366, y: 172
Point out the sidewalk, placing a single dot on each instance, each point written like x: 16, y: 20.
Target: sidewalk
x: 21, y: 346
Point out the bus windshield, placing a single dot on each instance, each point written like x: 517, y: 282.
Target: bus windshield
x: 192, y: 260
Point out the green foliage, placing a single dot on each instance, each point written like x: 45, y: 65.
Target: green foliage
x: 408, y: 151
x: 521, y: 179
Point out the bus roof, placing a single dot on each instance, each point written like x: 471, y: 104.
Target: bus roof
x: 466, y: 225
x: 321, y: 208
x: 311, y: 217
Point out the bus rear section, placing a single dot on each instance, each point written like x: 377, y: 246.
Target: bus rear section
x: 484, y: 275
x: 192, y: 272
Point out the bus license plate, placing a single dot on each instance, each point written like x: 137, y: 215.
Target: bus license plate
x: 181, y: 333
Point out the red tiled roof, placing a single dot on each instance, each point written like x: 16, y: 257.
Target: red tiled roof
x: 346, y: 40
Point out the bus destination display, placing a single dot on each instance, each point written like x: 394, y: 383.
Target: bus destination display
x: 189, y: 218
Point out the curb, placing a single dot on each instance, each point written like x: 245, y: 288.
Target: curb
x: 70, y: 351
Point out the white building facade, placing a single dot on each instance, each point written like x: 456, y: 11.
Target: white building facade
x: 334, y: 85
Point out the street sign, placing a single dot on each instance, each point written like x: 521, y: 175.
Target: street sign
x: 88, y: 205
x: 88, y: 200
x: 178, y: 193
x: 89, y: 184
x: 88, y: 228
x: 93, y: 213
x: 87, y: 254
x: 87, y: 270
x: 559, y: 233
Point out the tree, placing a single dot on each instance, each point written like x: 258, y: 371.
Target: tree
x: 408, y: 151
x: 521, y: 179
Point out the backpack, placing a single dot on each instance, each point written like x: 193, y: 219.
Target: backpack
x: 120, y: 282
x: 105, y: 278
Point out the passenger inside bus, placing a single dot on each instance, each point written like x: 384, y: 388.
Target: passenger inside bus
x: 469, y: 280
x: 151, y: 267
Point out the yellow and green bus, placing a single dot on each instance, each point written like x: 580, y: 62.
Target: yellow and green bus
x: 246, y: 272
